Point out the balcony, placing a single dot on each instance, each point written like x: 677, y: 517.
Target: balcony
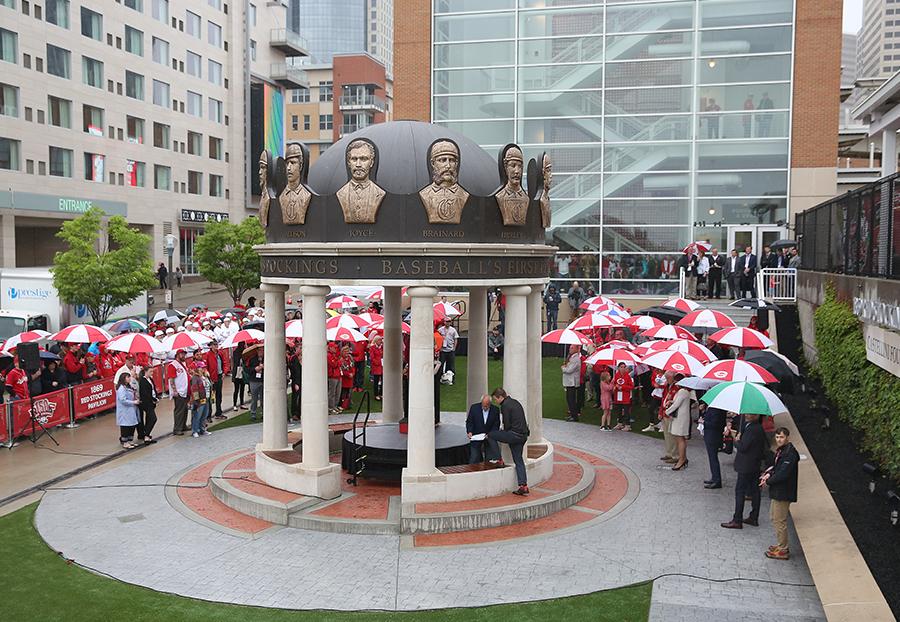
x: 289, y: 76
x: 362, y: 102
x: 288, y: 42
x: 349, y: 128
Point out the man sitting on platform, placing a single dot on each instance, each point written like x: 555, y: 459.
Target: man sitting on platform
x: 483, y: 418
x: 514, y: 433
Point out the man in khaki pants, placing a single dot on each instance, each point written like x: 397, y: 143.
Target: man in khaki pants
x: 781, y: 479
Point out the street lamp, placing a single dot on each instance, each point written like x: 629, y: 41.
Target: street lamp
x: 170, y: 250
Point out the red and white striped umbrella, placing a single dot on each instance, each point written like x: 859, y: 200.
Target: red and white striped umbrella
x: 742, y: 337
x: 31, y: 335
x: 347, y: 320
x: 185, y: 341
x: 694, y: 247
x: 81, y: 333
x: 344, y: 334
x: 668, y: 331
x: 590, y: 321
x: 371, y: 318
x: 697, y: 350
x: 607, y: 309
x: 706, y: 318
x: 599, y: 300
x: 648, y: 348
x: 618, y: 343
x: 682, y: 304
x: 345, y: 302
x: 206, y: 315
x: 732, y: 369
x: 642, y: 322
x: 243, y: 336
x: 293, y: 329
x: 136, y: 343
x: 671, y: 360
x: 378, y: 294
x: 565, y: 336
x: 612, y: 357
x: 445, y: 309
x: 378, y: 327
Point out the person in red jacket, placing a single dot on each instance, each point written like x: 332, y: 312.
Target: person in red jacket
x: 376, y: 358
x: 73, y: 363
x: 348, y: 371
x: 215, y: 367
x: 17, y: 381
x: 334, y: 378
x: 105, y: 363
x: 359, y: 359
x: 623, y: 385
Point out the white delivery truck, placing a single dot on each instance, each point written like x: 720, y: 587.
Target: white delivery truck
x: 29, y: 301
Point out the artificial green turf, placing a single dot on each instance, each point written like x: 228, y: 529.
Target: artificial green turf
x: 40, y: 585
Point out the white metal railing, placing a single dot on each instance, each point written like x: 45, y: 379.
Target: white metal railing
x: 777, y: 284
x: 681, y: 291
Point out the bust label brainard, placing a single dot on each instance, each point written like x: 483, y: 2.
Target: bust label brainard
x: 380, y: 267
x: 443, y: 233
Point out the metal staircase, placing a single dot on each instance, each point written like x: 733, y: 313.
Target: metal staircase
x: 358, y: 461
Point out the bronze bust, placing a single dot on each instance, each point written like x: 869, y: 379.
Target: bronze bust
x: 444, y: 199
x: 512, y: 198
x: 360, y: 197
x: 294, y: 199
x: 547, y: 176
x: 264, y: 198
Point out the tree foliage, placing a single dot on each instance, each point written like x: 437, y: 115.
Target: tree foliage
x: 225, y: 255
x: 102, y: 272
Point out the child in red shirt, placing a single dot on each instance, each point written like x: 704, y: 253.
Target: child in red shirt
x: 623, y: 385
x: 348, y: 371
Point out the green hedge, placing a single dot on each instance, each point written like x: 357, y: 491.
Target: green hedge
x: 867, y: 397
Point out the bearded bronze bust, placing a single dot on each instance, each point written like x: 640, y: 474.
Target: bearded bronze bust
x: 512, y: 198
x: 444, y: 199
x: 360, y: 197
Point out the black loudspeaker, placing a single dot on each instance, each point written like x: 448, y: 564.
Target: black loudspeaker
x: 29, y: 357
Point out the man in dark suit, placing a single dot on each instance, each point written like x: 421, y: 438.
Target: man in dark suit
x: 483, y: 418
x: 748, y: 266
x: 749, y: 443
x: 713, y: 431
x: 732, y: 273
x: 514, y: 433
x: 716, y: 263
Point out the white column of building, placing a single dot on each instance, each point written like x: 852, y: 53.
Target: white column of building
x: 314, y: 397
x: 275, y: 370
x: 420, y: 455
x: 535, y: 411
x: 392, y: 398
x: 888, y: 151
x: 476, y: 361
x: 8, y: 239
x: 515, y: 345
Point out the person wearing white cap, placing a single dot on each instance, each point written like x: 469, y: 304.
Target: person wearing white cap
x: 181, y: 329
x: 158, y: 334
x: 170, y: 331
x: 229, y: 327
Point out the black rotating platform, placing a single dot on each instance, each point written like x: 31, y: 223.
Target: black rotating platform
x: 385, y: 449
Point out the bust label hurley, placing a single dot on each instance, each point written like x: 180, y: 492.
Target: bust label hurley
x: 400, y: 267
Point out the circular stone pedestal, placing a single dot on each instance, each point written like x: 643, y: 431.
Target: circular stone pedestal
x: 385, y: 449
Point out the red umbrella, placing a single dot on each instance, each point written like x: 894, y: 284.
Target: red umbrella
x: 697, y: 350
x: 378, y: 294
x: 293, y: 329
x: 347, y: 320
x: 135, y: 343
x: 185, y: 340
x: 81, y: 333
x: 670, y: 360
x: 31, y: 335
x: 590, y: 321
x: 682, y: 304
x: 642, y: 322
x: 612, y: 357
x: 706, y: 318
x: 742, y: 337
x: 344, y: 334
x: 243, y: 336
x: 565, y: 336
x: 732, y: 370
x: 618, y: 343
x: 345, y: 302
x: 668, y: 331
x: 694, y: 247
x: 445, y: 309
x: 378, y: 327
x: 371, y: 318
x: 599, y: 300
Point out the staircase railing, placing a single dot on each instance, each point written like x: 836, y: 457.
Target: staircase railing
x: 777, y: 284
x: 359, y: 455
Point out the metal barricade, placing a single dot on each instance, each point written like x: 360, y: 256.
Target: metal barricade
x: 777, y: 284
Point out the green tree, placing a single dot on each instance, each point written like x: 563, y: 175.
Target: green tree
x: 102, y: 272
x: 225, y: 255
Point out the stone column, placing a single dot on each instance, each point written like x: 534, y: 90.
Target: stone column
x: 314, y: 397
x: 8, y: 239
x: 420, y: 455
x: 535, y: 387
x: 275, y: 374
x: 477, y: 374
x: 515, y: 345
x: 392, y: 398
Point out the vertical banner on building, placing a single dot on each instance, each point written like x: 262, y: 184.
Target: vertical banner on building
x: 131, y: 173
x: 49, y: 410
x: 274, y: 120
x: 91, y: 398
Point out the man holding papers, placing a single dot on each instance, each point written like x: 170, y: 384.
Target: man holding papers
x: 482, y: 418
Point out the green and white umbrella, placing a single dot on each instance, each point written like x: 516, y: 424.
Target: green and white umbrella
x: 744, y: 398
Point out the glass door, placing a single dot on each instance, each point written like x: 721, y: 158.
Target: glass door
x: 767, y: 235
x: 740, y: 238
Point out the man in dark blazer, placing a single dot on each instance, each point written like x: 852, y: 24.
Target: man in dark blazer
x: 750, y: 444
x: 733, y: 273
x: 483, y: 418
x: 714, y: 278
x: 748, y: 265
x: 514, y: 433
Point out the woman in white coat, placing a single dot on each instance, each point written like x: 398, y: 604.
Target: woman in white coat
x: 680, y: 411
x: 127, y: 411
x: 571, y: 379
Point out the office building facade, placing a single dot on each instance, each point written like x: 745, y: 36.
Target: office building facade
x: 667, y: 122
x: 878, y: 46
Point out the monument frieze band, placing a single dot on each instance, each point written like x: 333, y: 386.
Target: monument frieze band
x: 400, y: 267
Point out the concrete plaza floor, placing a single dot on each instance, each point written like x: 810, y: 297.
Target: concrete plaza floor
x: 119, y: 522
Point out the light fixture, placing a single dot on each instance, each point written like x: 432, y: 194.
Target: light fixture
x: 872, y: 471
x: 712, y: 211
x: 712, y: 63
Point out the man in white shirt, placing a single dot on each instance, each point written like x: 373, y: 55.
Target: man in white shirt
x: 177, y: 382
x: 702, y: 273
x: 732, y: 274
x: 562, y: 265
x: 130, y: 368
x: 448, y: 349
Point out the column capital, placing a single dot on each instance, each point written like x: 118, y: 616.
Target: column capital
x: 537, y: 288
x: 421, y: 291
x: 516, y: 290
x: 314, y: 290
x: 273, y: 287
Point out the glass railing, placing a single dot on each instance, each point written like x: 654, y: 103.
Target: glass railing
x: 362, y: 101
x: 282, y: 71
x: 286, y: 36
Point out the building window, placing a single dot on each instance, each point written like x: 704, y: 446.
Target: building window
x: 215, y: 148
x: 94, y: 164
x: 216, y: 4
x: 137, y: 5
x: 134, y: 41
x: 134, y: 173
x: 326, y: 121
x: 306, y: 122
x: 326, y: 92
x: 57, y: 12
x: 252, y: 49
x: 194, y: 104
x: 61, y: 162
x: 161, y: 94
x: 252, y: 14
x: 9, y: 154
x: 214, y: 34
x: 216, y: 186
x: 59, y: 112
x: 192, y: 64
x: 215, y: 110
x: 160, y: 51
x: 195, y: 182
x: 161, y: 11
x: 92, y: 120
x: 162, y: 177
x: 195, y: 143
x: 295, y: 122
x: 134, y: 85
x: 8, y: 45
x: 134, y: 129
x: 300, y: 96
x: 58, y: 61
x: 192, y: 24
x: 92, y: 72
x: 9, y: 100
x: 214, y: 72
x: 161, y: 133
x: 91, y: 24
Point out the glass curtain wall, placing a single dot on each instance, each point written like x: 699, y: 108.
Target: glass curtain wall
x: 666, y: 121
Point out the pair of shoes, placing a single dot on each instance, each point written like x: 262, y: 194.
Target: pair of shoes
x: 498, y: 462
x: 680, y: 467
x: 669, y: 459
x: 522, y: 491
x: 626, y: 428
x: 751, y: 521
x: 149, y: 440
x: 619, y: 426
x: 220, y: 417
x: 712, y: 485
x: 252, y: 417
x: 178, y: 433
x: 778, y: 554
x: 732, y: 525
x: 195, y: 435
x: 205, y: 433
x: 572, y: 418
x: 128, y: 445
x: 649, y: 428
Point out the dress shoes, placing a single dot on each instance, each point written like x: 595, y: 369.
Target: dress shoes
x: 752, y: 522
x: 712, y: 485
x: 732, y: 525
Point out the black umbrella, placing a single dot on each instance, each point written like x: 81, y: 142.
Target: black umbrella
x: 194, y: 308
x: 256, y: 325
x: 782, y: 244
x: 669, y: 315
x: 774, y: 364
x: 233, y: 311
x: 755, y: 303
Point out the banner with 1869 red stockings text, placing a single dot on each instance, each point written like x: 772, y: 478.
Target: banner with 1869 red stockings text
x: 49, y: 410
x: 91, y: 398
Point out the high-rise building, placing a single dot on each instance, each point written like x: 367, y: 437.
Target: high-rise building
x: 137, y: 107
x: 345, y: 27
x: 848, y: 59
x: 878, y: 47
x: 666, y: 122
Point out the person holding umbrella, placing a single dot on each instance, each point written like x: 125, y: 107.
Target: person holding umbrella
x: 680, y: 410
x: 749, y: 444
x: 571, y: 379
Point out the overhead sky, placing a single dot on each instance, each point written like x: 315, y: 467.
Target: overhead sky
x: 853, y: 10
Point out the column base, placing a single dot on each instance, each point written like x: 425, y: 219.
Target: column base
x: 323, y: 482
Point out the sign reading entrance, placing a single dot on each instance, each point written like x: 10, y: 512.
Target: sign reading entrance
x: 388, y: 268
x: 882, y: 347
